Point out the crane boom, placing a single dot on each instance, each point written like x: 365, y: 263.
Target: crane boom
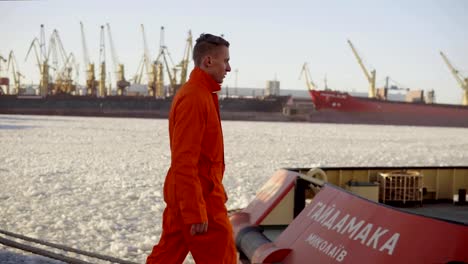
x: 42, y: 45
x: 55, y: 43
x: 63, y: 53
x: 146, y: 53
x: 102, y: 61
x: 42, y: 61
x: 115, y: 59
x: 139, y: 72
x: 2, y: 59
x: 16, y: 74
x: 52, y: 53
x: 43, y: 67
x: 11, y: 61
x: 171, y: 79
x: 150, y: 67
x: 455, y: 72
x: 463, y: 82
x: 102, y: 47
x: 370, y: 76
x: 56, y: 51
x: 4, y: 80
x: 119, y: 68
x: 164, y: 53
x: 33, y: 46
x: 85, y: 47
x: 91, y: 82
x: 306, y: 73
x: 186, y: 59
x: 63, y: 77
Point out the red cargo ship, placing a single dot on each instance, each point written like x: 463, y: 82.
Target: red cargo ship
x: 341, y: 107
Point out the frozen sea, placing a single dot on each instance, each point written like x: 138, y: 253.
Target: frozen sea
x: 96, y: 183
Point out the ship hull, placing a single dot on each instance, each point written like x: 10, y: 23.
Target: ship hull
x: 249, y: 109
x: 337, y: 107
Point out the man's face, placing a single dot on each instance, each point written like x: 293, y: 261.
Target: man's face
x: 219, y: 64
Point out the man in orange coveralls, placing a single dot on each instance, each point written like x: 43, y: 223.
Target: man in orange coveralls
x: 195, y: 218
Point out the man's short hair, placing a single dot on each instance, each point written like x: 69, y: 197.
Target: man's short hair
x: 206, y: 44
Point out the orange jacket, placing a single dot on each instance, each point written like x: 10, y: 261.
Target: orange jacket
x: 197, y: 151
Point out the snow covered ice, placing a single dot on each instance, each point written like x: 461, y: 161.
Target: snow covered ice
x: 96, y: 183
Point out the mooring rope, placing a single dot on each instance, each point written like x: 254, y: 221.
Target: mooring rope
x: 40, y: 251
x: 50, y: 254
x: 53, y: 255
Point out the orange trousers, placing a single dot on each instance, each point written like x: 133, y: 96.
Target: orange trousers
x: 216, y: 246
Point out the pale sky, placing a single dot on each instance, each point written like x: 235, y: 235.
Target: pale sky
x: 269, y: 39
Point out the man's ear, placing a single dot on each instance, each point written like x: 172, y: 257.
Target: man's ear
x: 207, y: 61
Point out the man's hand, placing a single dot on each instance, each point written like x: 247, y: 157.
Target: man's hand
x: 198, y: 228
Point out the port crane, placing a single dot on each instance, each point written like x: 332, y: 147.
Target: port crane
x: 91, y: 83
x: 63, y: 73
x: 152, y: 69
x: 306, y: 73
x: 155, y: 69
x: 139, y: 73
x: 462, y: 81
x: 34, y: 46
x: 119, y: 69
x: 42, y: 61
x: 16, y: 74
x: 4, y: 81
x: 52, y: 54
x: 164, y: 54
x: 369, y: 75
x: 2, y: 59
x: 64, y: 82
x: 102, y: 65
x: 186, y: 59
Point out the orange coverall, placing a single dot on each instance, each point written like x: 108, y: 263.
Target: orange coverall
x: 193, y: 189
